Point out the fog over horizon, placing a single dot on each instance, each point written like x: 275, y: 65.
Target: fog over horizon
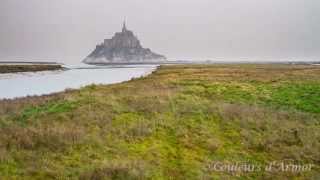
x: 68, y: 30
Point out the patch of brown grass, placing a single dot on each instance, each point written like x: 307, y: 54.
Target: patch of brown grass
x: 117, y: 170
x: 53, y: 137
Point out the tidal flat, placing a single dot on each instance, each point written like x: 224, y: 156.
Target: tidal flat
x: 17, y: 85
x: 173, y: 124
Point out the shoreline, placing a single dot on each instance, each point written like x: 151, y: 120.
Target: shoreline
x: 16, y: 68
x: 67, y: 90
x: 157, y: 68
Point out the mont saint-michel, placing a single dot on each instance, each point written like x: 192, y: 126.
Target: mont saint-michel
x: 123, y: 47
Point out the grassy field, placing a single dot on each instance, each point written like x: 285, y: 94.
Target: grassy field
x: 177, y: 123
x: 28, y: 68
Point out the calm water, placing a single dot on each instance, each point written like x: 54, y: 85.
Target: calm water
x: 40, y: 83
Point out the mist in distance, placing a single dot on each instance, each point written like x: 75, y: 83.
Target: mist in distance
x: 68, y: 30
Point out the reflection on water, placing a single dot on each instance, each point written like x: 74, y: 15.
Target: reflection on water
x: 40, y: 83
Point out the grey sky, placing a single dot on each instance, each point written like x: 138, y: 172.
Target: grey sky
x: 68, y: 30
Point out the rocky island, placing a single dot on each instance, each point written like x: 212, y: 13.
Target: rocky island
x: 123, y: 47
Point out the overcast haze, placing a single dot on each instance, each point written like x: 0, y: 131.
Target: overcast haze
x: 68, y: 30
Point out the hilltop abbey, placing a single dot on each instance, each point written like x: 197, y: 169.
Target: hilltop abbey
x: 123, y: 47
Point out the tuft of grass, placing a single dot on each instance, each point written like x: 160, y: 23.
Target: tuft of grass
x: 301, y: 96
x: 50, y: 108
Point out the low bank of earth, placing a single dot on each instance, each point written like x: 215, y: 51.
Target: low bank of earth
x: 176, y: 123
x: 28, y: 68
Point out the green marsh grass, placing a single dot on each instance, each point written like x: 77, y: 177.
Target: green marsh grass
x: 171, y: 124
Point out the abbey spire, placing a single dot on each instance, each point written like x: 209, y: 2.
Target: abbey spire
x: 124, y: 28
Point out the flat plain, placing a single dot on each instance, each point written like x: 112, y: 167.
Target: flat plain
x: 173, y: 124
